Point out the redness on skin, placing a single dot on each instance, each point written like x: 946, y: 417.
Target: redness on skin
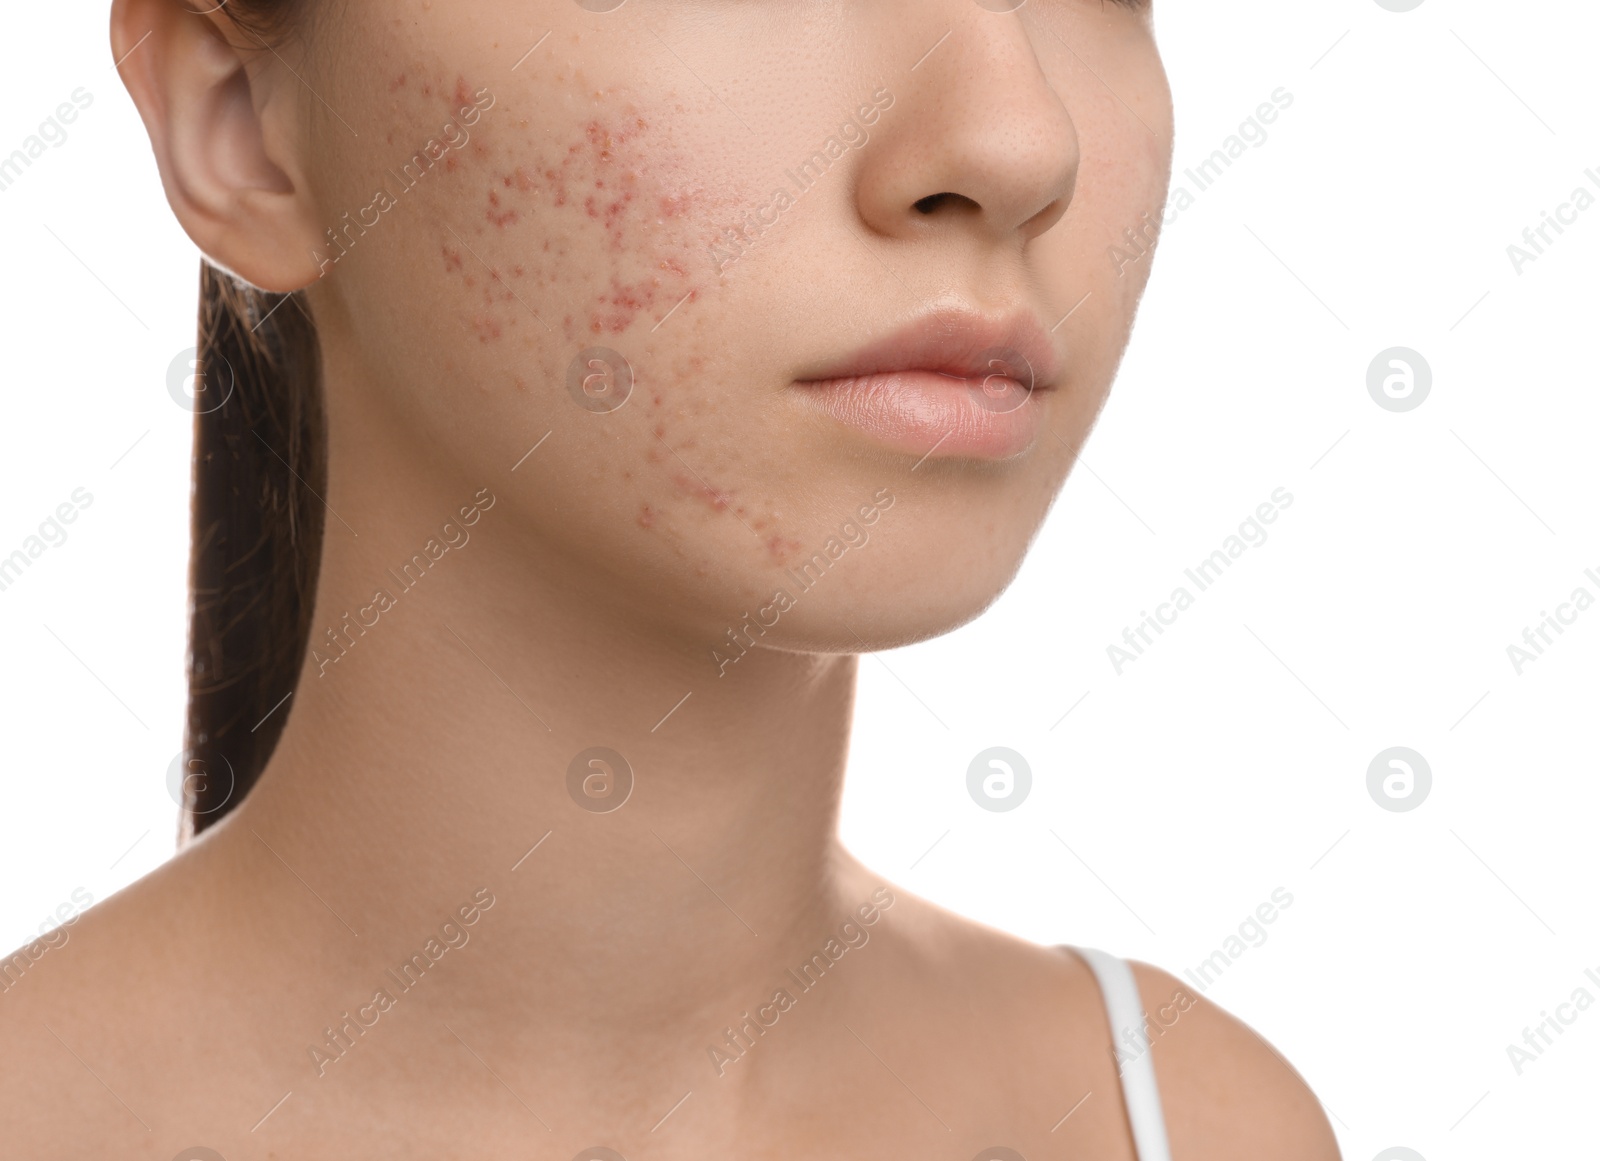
x: 608, y: 176
x: 611, y: 225
x: 781, y: 548
x: 715, y: 498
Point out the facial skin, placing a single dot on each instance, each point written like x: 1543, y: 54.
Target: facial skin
x: 590, y: 206
x: 441, y: 743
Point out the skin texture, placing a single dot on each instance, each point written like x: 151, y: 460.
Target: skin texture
x: 425, y: 756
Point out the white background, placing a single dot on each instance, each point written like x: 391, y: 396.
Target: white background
x: 1231, y: 759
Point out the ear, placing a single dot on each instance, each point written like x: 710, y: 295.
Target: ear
x: 220, y: 123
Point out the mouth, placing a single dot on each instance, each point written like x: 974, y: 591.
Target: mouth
x: 951, y: 384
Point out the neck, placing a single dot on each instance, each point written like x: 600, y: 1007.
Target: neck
x: 467, y: 729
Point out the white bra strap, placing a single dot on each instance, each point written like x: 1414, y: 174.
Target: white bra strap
x: 1125, y: 1011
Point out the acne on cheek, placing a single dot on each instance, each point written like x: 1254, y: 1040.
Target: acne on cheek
x: 607, y: 232
x: 618, y: 227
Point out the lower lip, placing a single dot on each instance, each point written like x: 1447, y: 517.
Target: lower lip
x: 934, y: 416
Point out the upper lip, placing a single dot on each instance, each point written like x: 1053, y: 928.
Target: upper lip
x: 958, y: 343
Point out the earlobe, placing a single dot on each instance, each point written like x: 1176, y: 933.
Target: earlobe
x: 206, y: 98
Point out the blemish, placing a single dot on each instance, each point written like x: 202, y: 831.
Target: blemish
x: 781, y: 548
x: 715, y: 498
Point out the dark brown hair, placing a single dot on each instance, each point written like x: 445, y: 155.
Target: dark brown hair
x: 260, y: 468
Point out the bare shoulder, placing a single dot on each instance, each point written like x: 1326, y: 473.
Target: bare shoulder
x: 1226, y: 1092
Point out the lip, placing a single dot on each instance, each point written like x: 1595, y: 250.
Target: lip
x: 952, y: 383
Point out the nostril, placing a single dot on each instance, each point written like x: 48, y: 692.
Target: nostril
x: 935, y: 202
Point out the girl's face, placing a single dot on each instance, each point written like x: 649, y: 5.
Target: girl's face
x: 781, y: 289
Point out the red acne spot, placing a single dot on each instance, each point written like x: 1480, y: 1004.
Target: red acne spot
x: 452, y: 259
x: 624, y: 302
x: 661, y: 431
x: 497, y: 216
x: 715, y: 498
x: 516, y: 271
x: 451, y: 163
x: 647, y: 518
x: 675, y: 205
x: 398, y: 83
x: 780, y: 548
x: 464, y: 95
x: 487, y: 329
x: 470, y: 280
x: 608, y: 176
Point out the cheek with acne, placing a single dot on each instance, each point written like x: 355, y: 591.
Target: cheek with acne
x: 582, y: 242
x: 587, y: 238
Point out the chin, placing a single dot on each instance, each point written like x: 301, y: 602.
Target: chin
x: 884, y: 593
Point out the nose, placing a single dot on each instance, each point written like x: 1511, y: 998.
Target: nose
x: 980, y: 141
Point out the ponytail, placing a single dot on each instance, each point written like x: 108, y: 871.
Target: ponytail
x: 260, y: 468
